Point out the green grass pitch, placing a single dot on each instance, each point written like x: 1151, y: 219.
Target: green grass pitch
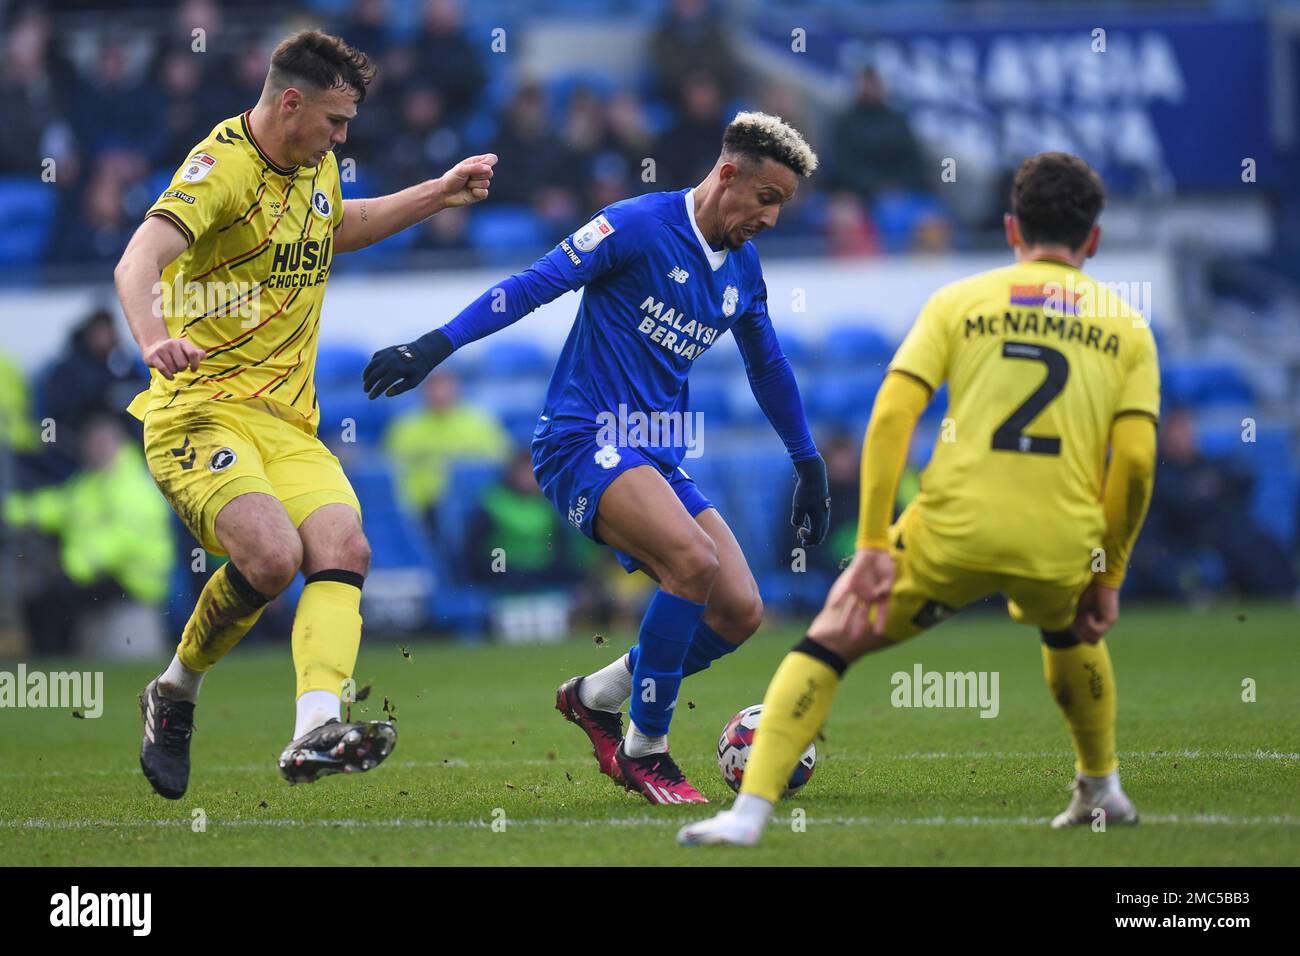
x: 1217, y: 779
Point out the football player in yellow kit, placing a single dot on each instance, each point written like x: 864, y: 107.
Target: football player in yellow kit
x: 222, y: 286
x: 1046, y: 368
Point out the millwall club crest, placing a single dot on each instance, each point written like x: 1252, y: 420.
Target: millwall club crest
x: 729, y: 297
x: 221, y: 459
x: 321, y: 203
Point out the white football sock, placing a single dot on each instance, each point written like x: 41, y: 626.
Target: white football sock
x: 315, y: 707
x: 1103, y: 784
x: 752, y: 809
x: 178, y: 682
x: 637, y: 744
x: 608, y: 687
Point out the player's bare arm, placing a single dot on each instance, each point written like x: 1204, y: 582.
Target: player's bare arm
x: 138, y: 278
x: 367, y: 221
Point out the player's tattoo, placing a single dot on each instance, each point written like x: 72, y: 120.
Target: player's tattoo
x: 364, y: 218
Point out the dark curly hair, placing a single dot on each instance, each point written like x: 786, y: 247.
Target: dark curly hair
x: 320, y: 61
x: 1056, y: 198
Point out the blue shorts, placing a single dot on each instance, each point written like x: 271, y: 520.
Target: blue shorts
x: 573, y: 472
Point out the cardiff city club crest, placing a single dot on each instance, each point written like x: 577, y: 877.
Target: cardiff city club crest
x: 729, y: 297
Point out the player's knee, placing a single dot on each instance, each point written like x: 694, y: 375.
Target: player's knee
x: 354, y: 554
x: 693, y: 569
x: 747, y: 616
x: 272, y: 567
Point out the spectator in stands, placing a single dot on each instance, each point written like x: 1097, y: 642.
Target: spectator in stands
x: 688, y: 150
x: 690, y: 38
x: 514, y: 517
x: 116, y: 110
x: 17, y: 424
x: 424, y: 140
x: 531, y: 157
x: 100, y: 215
x: 442, y: 55
x: 189, y: 114
x: 873, y: 148
x: 114, y: 534
x: 34, y: 127
x: 423, y: 445
x: 366, y: 28
x: 849, y: 230
x: 1201, y: 505
x: 630, y: 137
x: 93, y: 376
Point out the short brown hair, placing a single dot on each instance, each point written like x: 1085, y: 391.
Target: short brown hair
x: 1056, y: 198
x: 320, y: 61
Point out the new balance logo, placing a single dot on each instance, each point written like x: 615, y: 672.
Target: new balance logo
x: 679, y: 275
x: 179, y: 453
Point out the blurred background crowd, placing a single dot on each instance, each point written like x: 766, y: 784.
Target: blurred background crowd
x: 588, y: 102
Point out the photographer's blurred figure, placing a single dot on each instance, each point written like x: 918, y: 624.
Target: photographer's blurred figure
x: 423, y: 445
x: 103, y: 592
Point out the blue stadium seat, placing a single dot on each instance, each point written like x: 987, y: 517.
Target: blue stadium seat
x: 1203, y: 384
x: 515, y: 358
x: 340, y: 364
x: 853, y: 343
x: 897, y: 214
x: 343, y: 402
x: 464, y: 489
x: 27, y: 212
x: 396, y: 538
x: 501, y: 231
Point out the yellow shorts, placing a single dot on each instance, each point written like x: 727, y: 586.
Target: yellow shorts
x: 928, y: 590
x: 203, y: 456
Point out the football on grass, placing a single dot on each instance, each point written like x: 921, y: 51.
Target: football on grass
x: 733, y: 751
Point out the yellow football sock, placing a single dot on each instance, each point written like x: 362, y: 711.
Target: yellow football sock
x: 226, y: 609
x: 796, y: 705
x: 327, y: 633
x: 1083, y: 683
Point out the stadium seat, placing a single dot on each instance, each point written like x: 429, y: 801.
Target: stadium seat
x: 27, y: 212
x: 514, y: 358
x: 343, y: 402
x: 852, y: 343
x: 1203, y: 384
x: 499, y: 232
x: 455, y: 511
x: 340, y: 364
x: 897, y: 214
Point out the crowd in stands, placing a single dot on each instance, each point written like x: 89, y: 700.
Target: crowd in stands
x: 92, y: 138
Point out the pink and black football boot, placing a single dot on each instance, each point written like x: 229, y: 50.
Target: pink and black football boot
x: 657, y: 778
x: 603, y: 728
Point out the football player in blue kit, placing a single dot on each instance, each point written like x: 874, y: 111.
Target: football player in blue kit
x: 665, y: 275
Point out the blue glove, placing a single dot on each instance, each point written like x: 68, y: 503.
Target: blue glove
x: 399, y: 368
x: 812, y: 501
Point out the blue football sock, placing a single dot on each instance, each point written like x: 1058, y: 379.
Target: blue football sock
x: 707, y: 645
x: 665, y: 638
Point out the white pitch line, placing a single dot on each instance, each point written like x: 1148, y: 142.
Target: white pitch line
x: 458, y: 763
x: 637, y: 821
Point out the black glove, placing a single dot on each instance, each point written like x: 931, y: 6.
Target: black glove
x: 812, y: 501
x: 399, y: 368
